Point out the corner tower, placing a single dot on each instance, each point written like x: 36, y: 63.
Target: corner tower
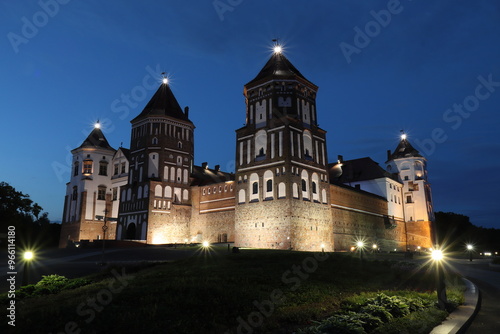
x: 88, y: 193
x: 281, y: 163
x: 155, y: 205
x: 411, y: 168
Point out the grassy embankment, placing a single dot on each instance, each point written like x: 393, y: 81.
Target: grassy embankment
x: 255, y: 291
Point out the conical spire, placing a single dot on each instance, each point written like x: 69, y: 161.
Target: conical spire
x: 278, y: 67
x: 404, y: 149
x: 96, y: 139
x: 163, y: 103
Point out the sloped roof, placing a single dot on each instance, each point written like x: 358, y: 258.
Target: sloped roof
x: 361, y: 169
x: 404, y: 150
x: 96, y: 139
x: 163, y: 103
x: 206, y: 176
x: 278, y: 67
x: 126, y: 152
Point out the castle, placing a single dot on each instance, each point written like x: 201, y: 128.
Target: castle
x: 283, y: 194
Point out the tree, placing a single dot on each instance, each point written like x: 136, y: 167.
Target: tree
x: 18, y: 210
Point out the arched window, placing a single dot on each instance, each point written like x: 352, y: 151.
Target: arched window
x: 168, y: 192
x: 139, y: 192
x: 155, y: 141
x: 281, y: 190
x: 314, y: 186
x: 260, y: 145
x: 241, y: 196
x: 185, y: 194
x: 268, y: 180
x: 323, y: 195
x: 75, y: 193
x: 158, y: 191
x: 295, y: 190
x: 254, y: 184
x: 305, y: 184
x: 308, y: 147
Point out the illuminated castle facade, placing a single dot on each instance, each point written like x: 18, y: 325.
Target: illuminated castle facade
x: 283, y: 194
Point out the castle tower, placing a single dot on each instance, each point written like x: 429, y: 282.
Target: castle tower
x: 89, y: 192
x: 281, y: 163
x: 155, y: 205
x: 411, y: 168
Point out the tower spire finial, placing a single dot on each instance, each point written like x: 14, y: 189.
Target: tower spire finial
x: 277, y: 48
x: 164, y: 77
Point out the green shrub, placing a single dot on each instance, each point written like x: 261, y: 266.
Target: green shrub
x: 377, y: 311
x: 50, y: 284
x: 348, y: 323
x: 395, y: 305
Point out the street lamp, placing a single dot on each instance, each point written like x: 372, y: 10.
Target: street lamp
x: 470, y: 248
x: 374, y: 247
x: 28, y: 257
x: 205, y: 244
x: 438, y: 258
x: 360, y: 244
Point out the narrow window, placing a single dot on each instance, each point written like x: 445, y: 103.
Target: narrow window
x: 255, y: 188
x: 314, y: 187
x: 269, y: 184
x: 103, y: 168
x: 76, y: 168
x: 101, y: 193
x: 304, y: 185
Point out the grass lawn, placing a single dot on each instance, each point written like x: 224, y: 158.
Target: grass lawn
x: 255, y: 291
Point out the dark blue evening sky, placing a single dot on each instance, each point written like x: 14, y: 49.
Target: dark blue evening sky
x: 63, y: 70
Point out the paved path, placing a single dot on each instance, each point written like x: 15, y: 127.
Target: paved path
x: 487, y: 279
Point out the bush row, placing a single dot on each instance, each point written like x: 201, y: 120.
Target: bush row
x: 365, y: 315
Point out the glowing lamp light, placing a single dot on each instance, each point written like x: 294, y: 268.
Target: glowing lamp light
x: 205, y: 244
x: 165, y: 80
x: 278, y: 48
x: 374, y: 246
x: 470, y: 247
x: 322, y: 246
x: 403, y: 136
x: 437, y: 255
x: 97, y: 125
x: 28, y: 255
x: 360, y: 244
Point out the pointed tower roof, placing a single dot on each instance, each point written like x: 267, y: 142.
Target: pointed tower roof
x: 404, y: 150
x: 163, y: 103
x: 96, y: 139
x: 278, y: 67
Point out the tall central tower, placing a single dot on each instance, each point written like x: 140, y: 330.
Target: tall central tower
x: 156, y: 203
x: 281, y: 163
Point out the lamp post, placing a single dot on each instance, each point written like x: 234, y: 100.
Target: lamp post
x: 470, y: 248
x: 360, y: 244
x: 437, y: 257
x: 322, y: 248
x: 374, y: 247
x: 28, y: 257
